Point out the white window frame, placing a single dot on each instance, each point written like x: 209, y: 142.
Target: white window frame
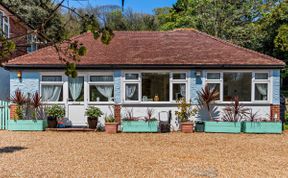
x: 139, y: 83
x: 261, y: 81
x: 100, y: 83
x: 32, y: 40
x: 253, y: 82
x: 5, y: 23
x: 178, y: 81
x: 53, y: 83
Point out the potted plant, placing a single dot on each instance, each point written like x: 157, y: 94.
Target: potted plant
x: 135, y: 124
x: 32, y: 119
x: 93, y: 113
x: 233, y: 115
x: 54, y: 113
x: 257, y: 124
x: 110, y: 125
x: 185, y: 111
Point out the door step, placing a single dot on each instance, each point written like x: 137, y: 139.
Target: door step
x: 71, y: 129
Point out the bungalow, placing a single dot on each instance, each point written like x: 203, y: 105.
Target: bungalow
x: 143, y: 70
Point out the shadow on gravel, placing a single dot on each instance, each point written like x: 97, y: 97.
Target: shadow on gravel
x: 11, y: 149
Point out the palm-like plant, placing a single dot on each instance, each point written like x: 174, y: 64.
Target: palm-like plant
x: 235, y: 112
x: 18, y: 98
x: 206, y: 97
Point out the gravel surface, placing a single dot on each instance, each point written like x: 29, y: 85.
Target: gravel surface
x: 91, y: 154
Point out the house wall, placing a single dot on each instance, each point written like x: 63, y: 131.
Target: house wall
x: 31, y: 82
x: 4, y: 84
x: 28, y: 84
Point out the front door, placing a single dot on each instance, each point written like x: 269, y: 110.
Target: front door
x: 76, y: 106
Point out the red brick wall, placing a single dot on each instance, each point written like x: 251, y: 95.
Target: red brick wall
x: 117, y: 113
x: 12, y: 111
x: 17, y: 28
x: 274, y: 109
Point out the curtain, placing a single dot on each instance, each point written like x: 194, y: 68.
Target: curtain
x: 183, y: 90
x: 106, y: 91
x: 262, y: 89
x: 130, y: 91
x: 51, y: 92
x: 75, y: 87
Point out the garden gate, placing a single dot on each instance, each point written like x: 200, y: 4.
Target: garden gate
x: 4, y: 114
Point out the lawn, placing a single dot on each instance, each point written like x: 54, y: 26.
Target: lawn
x: 79, y: 154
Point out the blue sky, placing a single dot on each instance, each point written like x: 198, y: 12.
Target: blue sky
x: 144, y: 6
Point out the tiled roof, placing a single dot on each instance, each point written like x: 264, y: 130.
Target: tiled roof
x: 179, y: 47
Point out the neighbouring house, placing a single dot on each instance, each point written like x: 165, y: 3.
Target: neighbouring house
x: 143, y: 70
x: 12, y: 26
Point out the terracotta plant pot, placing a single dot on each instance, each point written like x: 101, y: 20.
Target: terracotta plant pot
x: 52, y: 122
x: 187, y: 127
x: 111, y: 128
x: 92, y: 122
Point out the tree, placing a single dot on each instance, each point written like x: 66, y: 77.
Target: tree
x: 46, y: 12
x: 235, y: 21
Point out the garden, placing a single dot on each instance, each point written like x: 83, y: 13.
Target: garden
x: 32, y: 115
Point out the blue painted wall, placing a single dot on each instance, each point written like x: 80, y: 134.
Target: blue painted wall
x: 29, y: 84
x: 196, y: 84
x: 117, y: 86
x: 276, y: 87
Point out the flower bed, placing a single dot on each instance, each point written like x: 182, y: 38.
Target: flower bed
x: 222, y: 127
x: 27, y: 125
x: 139, y: 126
x: 262, y: 127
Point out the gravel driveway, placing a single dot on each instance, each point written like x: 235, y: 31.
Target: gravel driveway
x: 79, y: 154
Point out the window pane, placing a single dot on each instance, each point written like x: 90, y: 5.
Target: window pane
x: 261, y: 91
x: 131, y: 76
x: 155, y: 86
x: 101, y: 93
x: 237, y: 84
x: 52, y: 78
x: 261, y: 76
x: 213, y: 75
x: 52, y: 93
x: 102, y: 78
x: 179, y: 91
x: 131, y: 92
x: 179, y: 76
x: 216, y: 86
x: 76, y: 89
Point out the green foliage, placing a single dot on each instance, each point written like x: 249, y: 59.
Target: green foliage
x: 206, y: 97
x: 185, y: 110
x: 55, y: 111
x: 19, y: 113
x: 281, y: 40
x: 109, y: 118
x: 93, y: 112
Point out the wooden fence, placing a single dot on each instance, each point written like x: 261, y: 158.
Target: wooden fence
x: 4, y: 114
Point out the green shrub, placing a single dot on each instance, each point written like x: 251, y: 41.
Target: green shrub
x: 55, y: 111
x: 93, y: 112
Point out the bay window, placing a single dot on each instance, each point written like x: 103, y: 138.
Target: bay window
x: 51, y: 88
x: 155, y: 87
x: 101, y: 88
x: 248, y: 86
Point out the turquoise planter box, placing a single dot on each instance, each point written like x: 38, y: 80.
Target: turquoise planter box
x: 27, y: 125
x: 222, y: 127
x: 139, y: 126
x: 262, y: 127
